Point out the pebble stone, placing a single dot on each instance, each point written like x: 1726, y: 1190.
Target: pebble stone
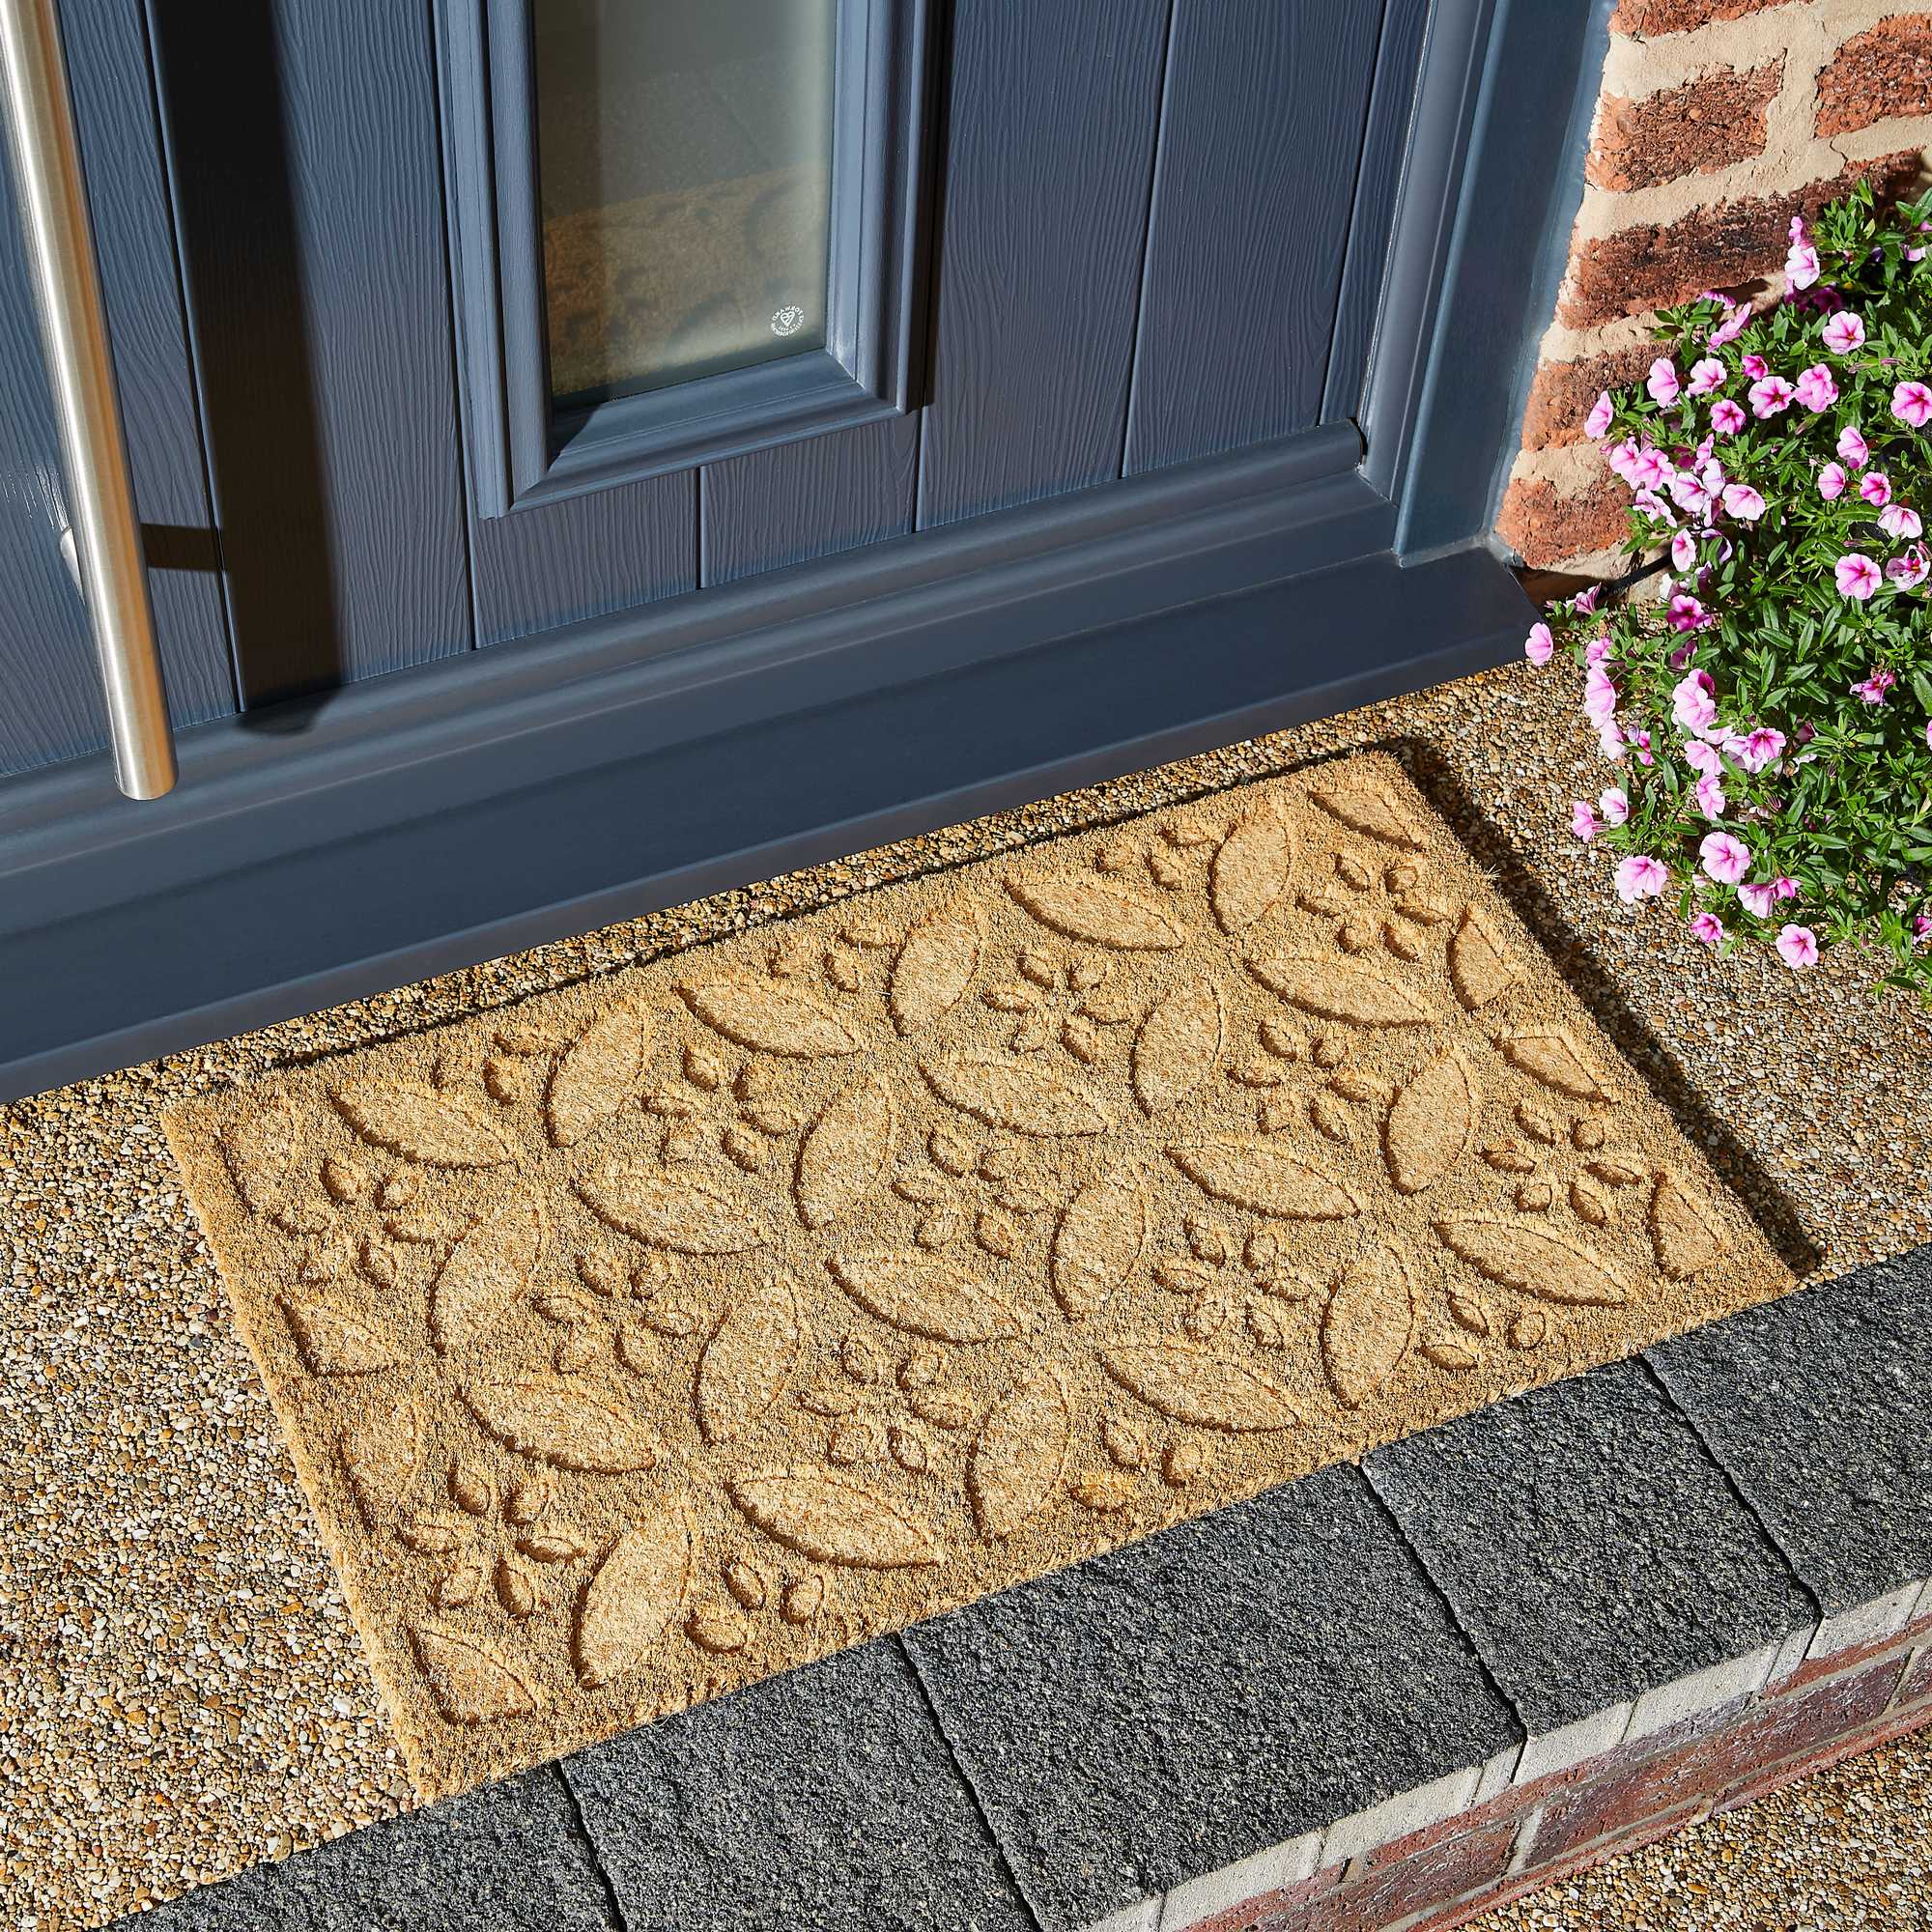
x: 182, y: 1693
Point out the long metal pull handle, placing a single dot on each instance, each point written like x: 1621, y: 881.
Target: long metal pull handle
x: 74, y: 324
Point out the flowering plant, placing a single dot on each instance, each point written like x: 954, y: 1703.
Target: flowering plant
x: 1770, y: 706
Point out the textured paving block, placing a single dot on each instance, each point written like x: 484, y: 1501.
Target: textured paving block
x: 683, y: 1327
x: 508, y: 1859
x: 1162, y: 1711
x: 1817, y: 1408
x: 822, y: 1798
x: 1589, y: 1545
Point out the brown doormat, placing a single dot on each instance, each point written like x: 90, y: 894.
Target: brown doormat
x: 670, y: 1330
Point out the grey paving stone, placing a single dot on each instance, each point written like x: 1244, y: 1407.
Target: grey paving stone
x: 508, y: 1858
x: 1588, y: 1544
x: 822, y: 1798
x: 1817, y: 1405
x: 1163, y: 1711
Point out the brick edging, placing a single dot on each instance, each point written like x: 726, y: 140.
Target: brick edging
x: 1431, y: 1858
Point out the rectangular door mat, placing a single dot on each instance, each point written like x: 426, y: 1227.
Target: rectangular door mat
x: 679, y: 1327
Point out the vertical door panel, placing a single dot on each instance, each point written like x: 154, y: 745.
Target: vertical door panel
x: 1260, y: 142
x: 1398, y: 63
x: 1049, y: 133
x: 302, y: 148
x: 554, y: 563
x: 53, y: 708
x: 809, y: 499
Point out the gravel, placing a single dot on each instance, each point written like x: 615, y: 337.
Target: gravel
x: 180, y: 1691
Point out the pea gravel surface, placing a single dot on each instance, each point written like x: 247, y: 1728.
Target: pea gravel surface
x: 181, y: 1690
x: 1844, y: 1850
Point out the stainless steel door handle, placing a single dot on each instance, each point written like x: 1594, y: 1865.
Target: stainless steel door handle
x: 73, y: 326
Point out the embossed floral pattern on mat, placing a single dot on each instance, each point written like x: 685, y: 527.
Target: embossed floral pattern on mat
x: 676, y: 1328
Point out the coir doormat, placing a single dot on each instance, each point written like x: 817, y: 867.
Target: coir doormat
x: 676, y: 1328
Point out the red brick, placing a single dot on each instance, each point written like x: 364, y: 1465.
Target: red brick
x: 1645, y: 17
x: 1882, y: 71
x: 1705, y: 125
x: 1651, y: 266
x: 1543, y: 527
x: 1854, y: 1655
x: 1277, y: 1911
x: 1786, y: 1728
x: 1918, y: 1679
x: 1561, y: 393
x: 1450, y: 1870
x: 1539, y: 1878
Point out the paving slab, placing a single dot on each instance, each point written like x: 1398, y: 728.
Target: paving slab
x: 823, y: 1797
x: 1161, y: 1711
x: 1589, y: 1544
x: 1817, y: 1406
x: 509, y: 1858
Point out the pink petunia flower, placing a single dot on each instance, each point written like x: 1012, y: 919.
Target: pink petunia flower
x: 1910, y: 568
x: 1615, y: 805
x: 1728, y: 417
x: 1649, y: 470
x: 1689, y: 494
x: 1539, y: 648
x: 1754, y: 366
x: 1875, y: 486
x: 1622, y: 458
x: 1706, y: 928
x: 1832, y: 481
x: 1912, y: 403
x: 1610, y: 741
x: 1650, y: 504
x: 1599, y: 649
x: 1797, y: 947
x: 1852, y: 447
x: 1708, y: 792
x: 1873, y: 690
x: 1586, y: 601
x: 1844, y: 332
x: 1769, y: 396
x: 1743, y: 503
x: 1901, y: 523
x: 1857, y: 574
x: 1921, y: 926
x: 1597, y: 423
x: 1737, y: 319
x: 1702, y: 756
x: 1693, y: 702
x: 1801, y: 266
x: 1816, y: 389
x: 1725, y: 858
x: 1685, y: 613
x: 1683, y: 550
x: 1640, y: 878
x: 1706, y: 375
x: 1757, y: 901
x: 1761, y: 748
x: 1783, y: 888
x: 1600, y: 695
x: 1928, y: 734
x: 1663, y: 382
x: 1583, y: 822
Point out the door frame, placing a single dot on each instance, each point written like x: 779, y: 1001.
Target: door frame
x: 434, y: 818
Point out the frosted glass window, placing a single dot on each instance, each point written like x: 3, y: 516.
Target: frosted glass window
x: 685, y: 170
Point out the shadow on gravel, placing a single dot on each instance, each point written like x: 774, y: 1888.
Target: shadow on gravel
x: 1571, y: 954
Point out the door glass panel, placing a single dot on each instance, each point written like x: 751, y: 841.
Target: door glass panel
x: 684, y: 163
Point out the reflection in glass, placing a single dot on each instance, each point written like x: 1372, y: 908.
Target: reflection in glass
x: 685, y: 164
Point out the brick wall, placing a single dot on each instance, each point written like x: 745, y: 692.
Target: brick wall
x: 1479, y: 1850
x: 1715, y: 121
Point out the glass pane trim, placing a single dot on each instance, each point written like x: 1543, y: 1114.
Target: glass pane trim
x: 685, y: 175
